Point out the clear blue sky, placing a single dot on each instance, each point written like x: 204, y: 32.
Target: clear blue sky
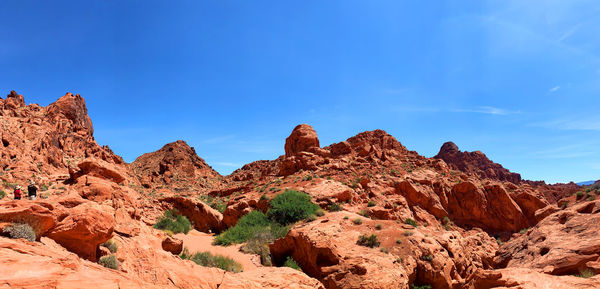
x: 518, y: 80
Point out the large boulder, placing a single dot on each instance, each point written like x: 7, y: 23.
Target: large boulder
x: 85, y: 227
x: 303, y: 139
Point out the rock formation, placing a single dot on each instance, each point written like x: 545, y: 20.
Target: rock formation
x: 457, y: 220
x: 475, y: 163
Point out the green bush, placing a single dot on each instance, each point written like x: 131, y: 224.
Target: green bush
x: 290, y: 262
x: 334, y: 207
x: 357, y: 221
x: 111, y: 245
x: 291, y: 206
x: 174, y: 222
x: 378, y: 226
x: 20, y: 231
x: 368, y: 241
x: 207, y: 259
x: 579, y: 194
x: 246, y: 227
x: 427, y: 258
x: 398, y: 241
x: 411, y: 222
x: 109, y: 262
x: 2, y: 194
x: 371, y: 204
x: 384, y: 250
x: 413, y: 286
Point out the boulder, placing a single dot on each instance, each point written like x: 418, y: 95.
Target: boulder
x: 85, y: 227
x: 303, y: 139
x: 172, y: 245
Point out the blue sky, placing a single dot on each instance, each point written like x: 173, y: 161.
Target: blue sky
x: 518, y: 80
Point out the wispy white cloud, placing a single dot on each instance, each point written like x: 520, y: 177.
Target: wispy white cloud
x: 482, y: 109
x: 592, y: 124
x: 488, y: 110
x: 569, y: 32
x: 554, y: 89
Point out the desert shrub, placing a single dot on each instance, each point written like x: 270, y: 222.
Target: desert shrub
x: 364, y: 213
x: 290, y: 262
x: 111, y: 245
x: 427, y: 257
x: 411, y: 222
x: 173, y: 222
x: 20, y: 231
x: 378, y: 226
x: 259, y: 244
x: 264, y: 197
x: 384, y: 250
x: 371, y: 204
x: 291, y: 206
x: 398, y: 241
x: 586, y: 273
x: 311, y: 218
x: 447, y: 223
x: 109, y: 262
x: 413, y: 286
x: 523, y: 231
x: 207, y: 259
x: 334, y: 207
x: 2, y: 194
x: 368, y: 240
x: 408, y: 233
x: 579, y: 194
x: 320, y: 213
x: 357, y: 221
x: 346, y: 217
x: 246, y: 226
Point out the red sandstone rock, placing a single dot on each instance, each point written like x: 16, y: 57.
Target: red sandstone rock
x: 303, y: 139
x: 172, y: 245
x: 476, y: 163
x: 83, y: 230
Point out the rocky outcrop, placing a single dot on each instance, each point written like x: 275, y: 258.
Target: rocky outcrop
x: 563, y: 243
x: 327, y: 249
x: 204, y: 218
x: 176, y: 166
x: 489, y: 208
x: 526, y: 278
x: 303, y: 139
x: 475, y: 163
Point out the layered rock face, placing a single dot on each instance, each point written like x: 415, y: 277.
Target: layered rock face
x: 475, y: 163
x: 177, y: 166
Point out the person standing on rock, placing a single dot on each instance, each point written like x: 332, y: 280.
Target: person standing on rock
x: 32, y: 190
x: 17, y: 192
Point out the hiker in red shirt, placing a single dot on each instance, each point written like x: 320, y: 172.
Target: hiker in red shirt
x: 17, y: 192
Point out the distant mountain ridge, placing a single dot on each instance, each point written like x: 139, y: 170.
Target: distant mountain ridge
x: 586, y: 183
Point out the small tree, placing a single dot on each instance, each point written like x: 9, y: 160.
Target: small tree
x: 291, y: 206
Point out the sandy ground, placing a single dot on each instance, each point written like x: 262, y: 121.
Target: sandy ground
x: 199, y: 242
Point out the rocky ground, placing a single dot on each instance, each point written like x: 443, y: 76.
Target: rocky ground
x: 457, y: 220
